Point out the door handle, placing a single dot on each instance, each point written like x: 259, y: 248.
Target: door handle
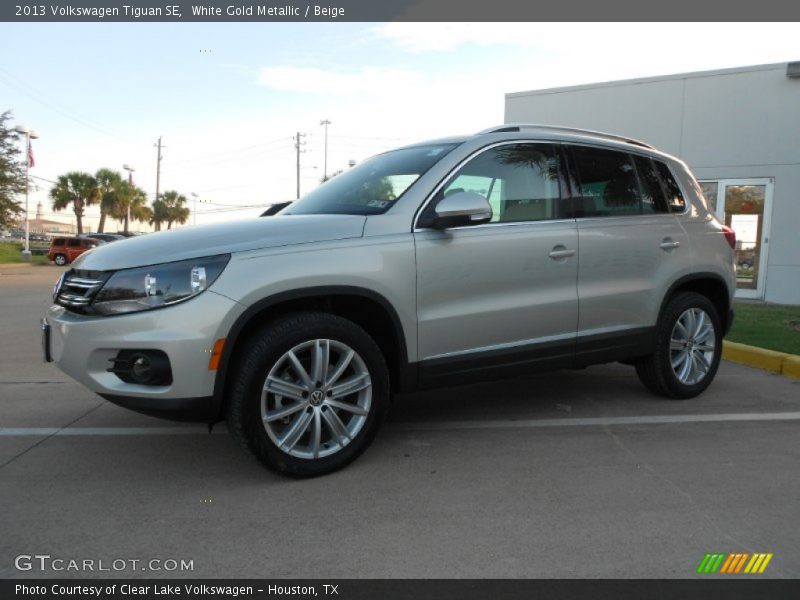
x: 561, y: 252
x: 668, y: 244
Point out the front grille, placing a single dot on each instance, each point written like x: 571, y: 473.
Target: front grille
x: 79, y: 289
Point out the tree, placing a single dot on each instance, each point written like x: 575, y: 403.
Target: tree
x: 159, y: 214
x: 139, y: 210
x: 78, y: 189
x: 108, y: 182
x: 12, y: 172
x: 176, y: 209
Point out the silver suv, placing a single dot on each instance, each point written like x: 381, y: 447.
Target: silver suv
x: 518, y: 249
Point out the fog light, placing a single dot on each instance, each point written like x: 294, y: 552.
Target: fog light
x: 142, y: 367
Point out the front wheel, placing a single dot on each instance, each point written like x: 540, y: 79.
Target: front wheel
x: 310, y: 392
x: 688, y: 348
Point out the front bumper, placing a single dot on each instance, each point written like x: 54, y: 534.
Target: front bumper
x: 82, y: 346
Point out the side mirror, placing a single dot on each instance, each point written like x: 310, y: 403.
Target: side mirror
x: 460, y: 209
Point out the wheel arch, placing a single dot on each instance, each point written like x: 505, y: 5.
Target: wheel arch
x: 710, y: 285
x: 365, y: 307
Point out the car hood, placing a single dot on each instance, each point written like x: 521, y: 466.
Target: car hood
x: 223, y: 238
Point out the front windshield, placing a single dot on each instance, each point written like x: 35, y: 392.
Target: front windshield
x: 372, y: 187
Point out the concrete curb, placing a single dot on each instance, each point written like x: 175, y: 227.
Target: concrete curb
x: 780, y: 363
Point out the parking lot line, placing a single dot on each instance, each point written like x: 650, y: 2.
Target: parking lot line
x: 603, y: 421
x: 424, y: 426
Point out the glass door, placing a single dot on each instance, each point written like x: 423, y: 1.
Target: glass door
x: 745, y: 205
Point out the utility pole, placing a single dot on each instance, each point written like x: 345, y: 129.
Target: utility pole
x: 29, y: 135
x: 158, y: 167
x: 297, y: 145
x: 325, y: 124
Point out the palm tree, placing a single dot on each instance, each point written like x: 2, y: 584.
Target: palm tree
x: 159, y: 214
x: 139, y: 210
x: 177, y: 211
x: 76, y: 188
x: 107, y: 181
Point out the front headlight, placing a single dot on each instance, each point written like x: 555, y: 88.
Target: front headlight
x: 143, y: 288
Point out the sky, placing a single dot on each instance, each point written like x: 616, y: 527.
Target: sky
x: 227, y: 98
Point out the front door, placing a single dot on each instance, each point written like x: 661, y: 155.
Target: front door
x: 500, y: 291
x: 745, y: 206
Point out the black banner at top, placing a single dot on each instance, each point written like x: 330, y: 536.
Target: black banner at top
x: 396, y: 10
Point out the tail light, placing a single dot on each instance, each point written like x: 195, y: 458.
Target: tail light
x: 730, y: 235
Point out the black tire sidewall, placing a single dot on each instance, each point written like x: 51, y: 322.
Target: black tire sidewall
x: 260, y: 354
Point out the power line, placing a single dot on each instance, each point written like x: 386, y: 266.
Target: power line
x: 31, y: 92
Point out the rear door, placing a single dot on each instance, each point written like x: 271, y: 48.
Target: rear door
x: 632, y: 247
x: 73, y: 248
x: 501, y: 293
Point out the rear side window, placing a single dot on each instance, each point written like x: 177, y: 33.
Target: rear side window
x: 653, y: 200
x: 58, y: 242
x: 607, y: 184
x: 74, y: 243
x: 675, y: 199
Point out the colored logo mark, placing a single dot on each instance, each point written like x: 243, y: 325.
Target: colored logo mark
x: 735, y: 562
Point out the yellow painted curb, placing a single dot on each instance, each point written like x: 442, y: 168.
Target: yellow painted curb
x: 761, y: 358
x: 791, y: 366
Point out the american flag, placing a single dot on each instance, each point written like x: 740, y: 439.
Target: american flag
x: 31, y: 162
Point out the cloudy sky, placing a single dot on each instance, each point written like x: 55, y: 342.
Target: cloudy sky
x: 227, y: 98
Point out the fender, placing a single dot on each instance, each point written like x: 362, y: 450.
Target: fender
x: 408, y: 375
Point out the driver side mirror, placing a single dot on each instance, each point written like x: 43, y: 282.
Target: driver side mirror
x: 461, y: 209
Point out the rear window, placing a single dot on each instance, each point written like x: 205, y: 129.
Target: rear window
x: 675, y: 199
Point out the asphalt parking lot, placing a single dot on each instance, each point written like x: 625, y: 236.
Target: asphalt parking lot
x: 568, y: 474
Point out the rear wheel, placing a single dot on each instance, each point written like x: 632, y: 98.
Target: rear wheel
x: 309, y: 394
x: 688, y: 348
x: 60, y: 260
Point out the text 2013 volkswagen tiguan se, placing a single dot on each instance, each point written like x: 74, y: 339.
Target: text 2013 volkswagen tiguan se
x: 517, y: 249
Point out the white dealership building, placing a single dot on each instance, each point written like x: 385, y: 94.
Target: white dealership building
x: 739, y: 132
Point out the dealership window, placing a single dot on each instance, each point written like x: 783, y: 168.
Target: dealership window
x: 709, y: 189
x: 607, y: 186
x: 520, y: 181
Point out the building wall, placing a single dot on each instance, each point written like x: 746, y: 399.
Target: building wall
x: 735, y: 123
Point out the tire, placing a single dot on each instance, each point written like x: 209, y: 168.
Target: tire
x: 333, y: 436
x: 685, y: 362
x: 60, y: 260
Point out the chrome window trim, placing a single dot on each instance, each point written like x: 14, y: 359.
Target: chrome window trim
x: 639, y: 151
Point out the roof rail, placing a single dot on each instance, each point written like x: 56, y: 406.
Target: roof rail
x: 515, y: 127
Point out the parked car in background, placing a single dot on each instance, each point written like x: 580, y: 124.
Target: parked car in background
x: 64, y: 250
x: 103, y: 237
x: 515, y: 250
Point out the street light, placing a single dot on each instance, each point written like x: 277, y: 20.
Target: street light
x: 325, y: 123
x: 130, y: 171
x: 29, y: 134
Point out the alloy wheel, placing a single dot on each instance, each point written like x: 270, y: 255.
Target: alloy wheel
x: 692, y: 346
x: 316, y: 398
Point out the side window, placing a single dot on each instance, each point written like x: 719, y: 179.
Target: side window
x: 58, y: 242
x: 653, y: 200
x: 606, y: 182
x: 73, y: 243
x: 520, y: 181
x: 675, y: 199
